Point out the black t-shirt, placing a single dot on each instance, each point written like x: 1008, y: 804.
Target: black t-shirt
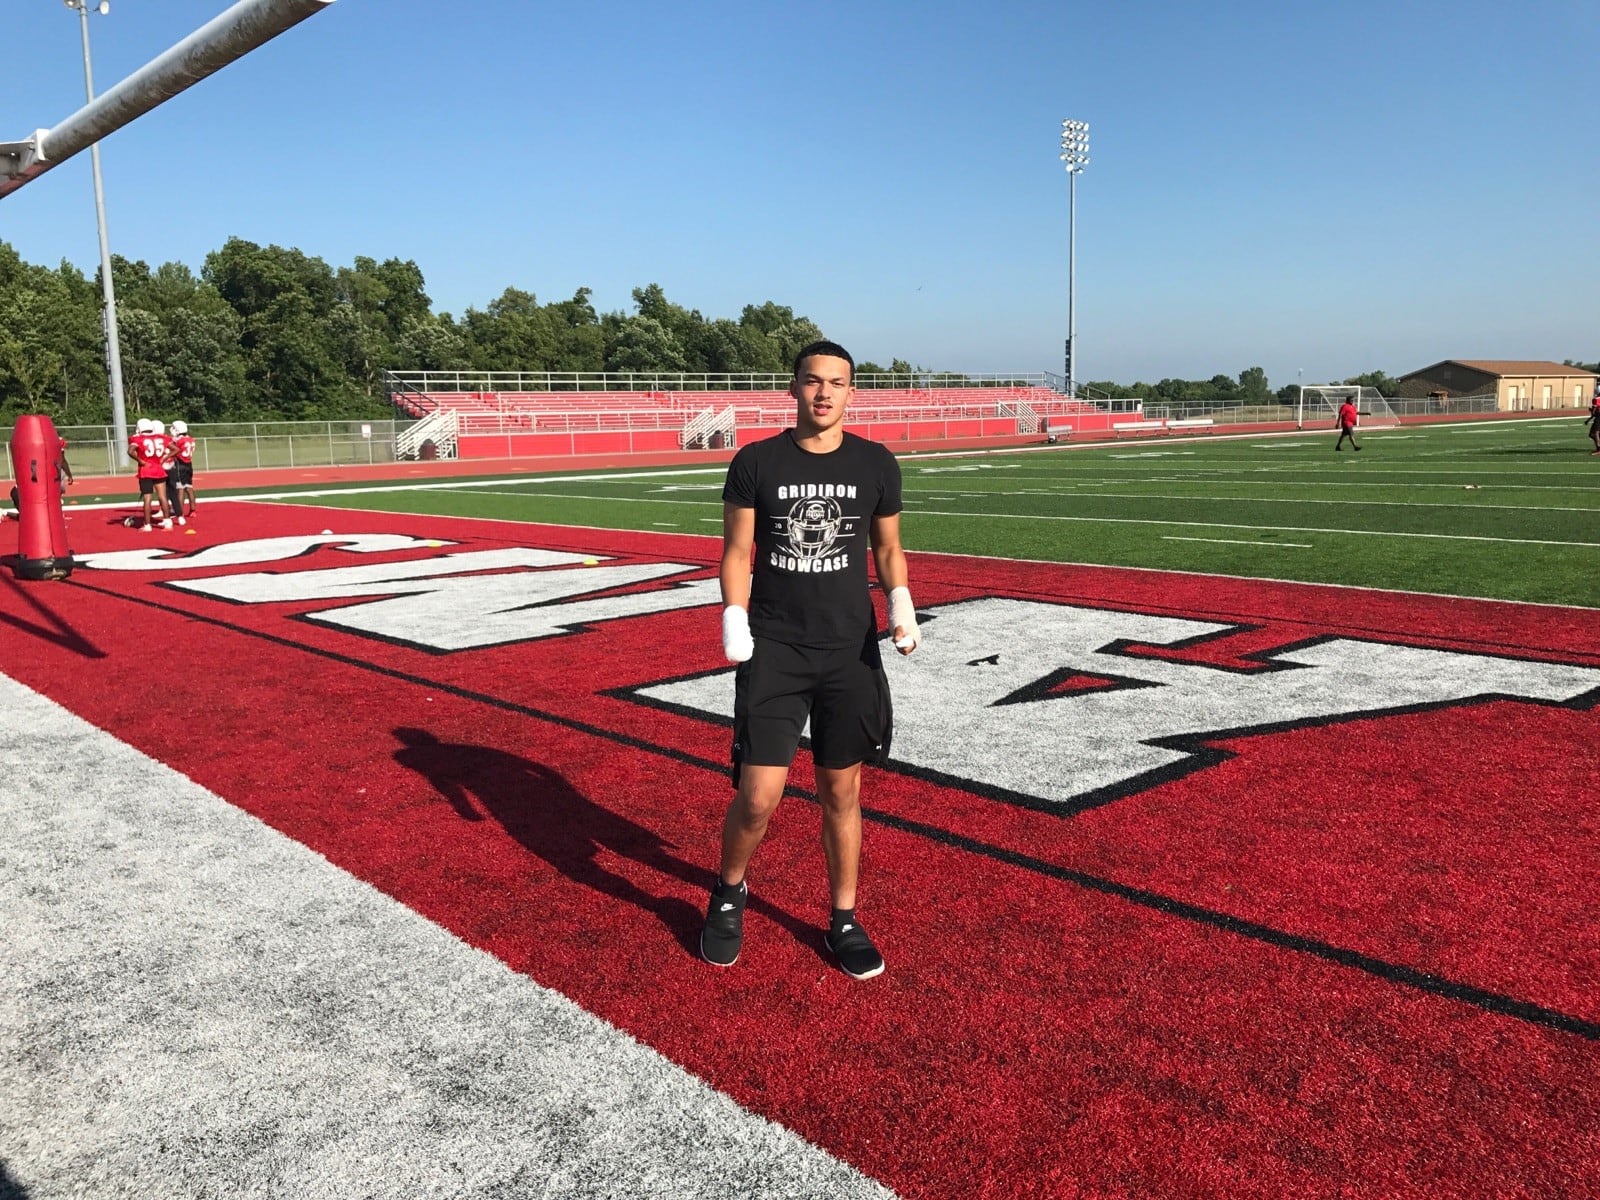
x: 813, y: 520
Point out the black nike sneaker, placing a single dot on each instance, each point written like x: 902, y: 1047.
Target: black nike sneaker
x: 849, y: 943
x: 723, y: 933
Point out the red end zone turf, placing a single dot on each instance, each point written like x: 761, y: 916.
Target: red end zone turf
x: 1346, y: 945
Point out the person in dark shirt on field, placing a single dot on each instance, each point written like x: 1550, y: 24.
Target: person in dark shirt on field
x: 811, y: 502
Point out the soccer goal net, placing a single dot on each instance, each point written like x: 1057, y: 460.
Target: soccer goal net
x: 1320, y: 403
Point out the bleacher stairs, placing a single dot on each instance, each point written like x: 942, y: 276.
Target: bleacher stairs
x: 439, y: 428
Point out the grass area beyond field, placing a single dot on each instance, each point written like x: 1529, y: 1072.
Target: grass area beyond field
x: 1503, y: 510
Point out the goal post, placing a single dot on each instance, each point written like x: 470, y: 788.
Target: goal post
x: 246, y: 26
x: 1325, y: 399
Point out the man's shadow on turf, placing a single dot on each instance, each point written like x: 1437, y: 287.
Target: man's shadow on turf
x: 562, y: 826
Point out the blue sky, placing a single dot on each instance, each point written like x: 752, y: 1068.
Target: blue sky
x: 1303, y: 187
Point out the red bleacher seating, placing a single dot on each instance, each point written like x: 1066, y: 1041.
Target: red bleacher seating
x: 505, y: 412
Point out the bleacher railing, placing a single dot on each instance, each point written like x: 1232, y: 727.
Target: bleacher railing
x: 424, y: 382
x: 433, y: 436
x: 408, y: 400
x: 711, y: 430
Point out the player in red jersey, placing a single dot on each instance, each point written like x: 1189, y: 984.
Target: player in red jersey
x: 1594, y: 420
x: 169, y: 486
x: 1349, y: 418
x: 148, y: 447
x: 181, y: 477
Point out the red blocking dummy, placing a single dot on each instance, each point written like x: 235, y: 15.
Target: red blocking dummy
x: 42, y: 551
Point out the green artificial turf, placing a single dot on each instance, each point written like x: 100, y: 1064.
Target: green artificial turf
x: 1506, y: 510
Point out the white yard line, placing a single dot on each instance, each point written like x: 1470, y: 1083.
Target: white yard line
x: 1392, y: 533
x: 1541, y: 508
x: 1172, y: 537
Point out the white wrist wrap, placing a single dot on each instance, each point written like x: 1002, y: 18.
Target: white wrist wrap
x: 903, y: 614
x: 737, y: 643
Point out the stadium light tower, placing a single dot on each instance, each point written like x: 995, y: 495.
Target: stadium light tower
x: 1074, y: 156
x: 119, y: 410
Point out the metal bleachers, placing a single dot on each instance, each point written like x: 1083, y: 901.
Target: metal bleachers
x: 711, y: 416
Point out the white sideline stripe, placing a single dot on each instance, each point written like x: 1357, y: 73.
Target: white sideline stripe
x: 1172, y: 537
x: 1446, y: 537
x: 1292, y: 500
x: 680, y: 501
x: 444, y: 485
x: 198, y: 1005
x: 581, y: 496
x: 1373, y: 475
x: 1200, y: 478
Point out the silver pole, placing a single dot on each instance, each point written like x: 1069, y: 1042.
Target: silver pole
x: 119, y: 410
x: 1074, y: 156
x: 229, y: 36
x: 1072, y: 278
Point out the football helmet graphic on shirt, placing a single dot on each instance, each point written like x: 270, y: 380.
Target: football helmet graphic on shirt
x: 812, y: 526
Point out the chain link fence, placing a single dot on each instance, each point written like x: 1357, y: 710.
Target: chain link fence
x: 92, y: 450
x: 236, y: 445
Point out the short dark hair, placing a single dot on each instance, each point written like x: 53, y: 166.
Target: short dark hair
x: 827, y: 350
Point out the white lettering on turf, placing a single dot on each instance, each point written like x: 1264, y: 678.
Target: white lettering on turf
x: 254, y: 550
x: 973, y: 703
x: 462, y: 601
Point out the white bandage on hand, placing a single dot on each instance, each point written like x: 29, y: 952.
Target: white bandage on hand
x: 903, y: 616
x: 737, y: 643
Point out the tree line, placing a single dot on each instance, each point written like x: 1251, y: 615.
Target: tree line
x: 270, y: 333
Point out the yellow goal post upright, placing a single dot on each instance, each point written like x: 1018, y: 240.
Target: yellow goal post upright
x: 1326, y: 399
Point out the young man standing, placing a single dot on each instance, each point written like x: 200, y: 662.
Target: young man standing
x: 811, y: 502
x: 1349, y: 418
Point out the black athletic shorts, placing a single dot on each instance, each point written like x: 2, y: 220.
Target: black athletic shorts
x: 148, y: 486
x: 844, y: 693
x: 182, y: 474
